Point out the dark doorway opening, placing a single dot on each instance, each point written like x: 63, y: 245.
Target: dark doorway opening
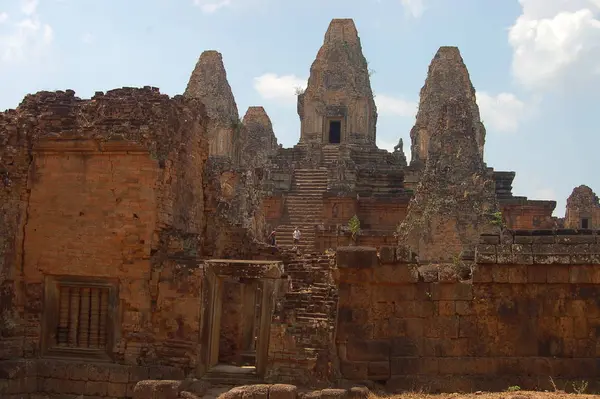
x: 585, y: 223
x: 335, y: 132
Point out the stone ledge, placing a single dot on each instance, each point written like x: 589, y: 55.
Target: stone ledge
x: 356, y: 257
x: 563, y: 250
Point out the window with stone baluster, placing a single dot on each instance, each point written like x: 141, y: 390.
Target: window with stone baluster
x: 79, y: 317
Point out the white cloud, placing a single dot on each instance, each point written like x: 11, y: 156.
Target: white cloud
x: 554, y: 40
x: 25, y: 38
x: 502, y: 112
x: 3, y: 17
x: 416, y: 8
x: 395, y: 106
x: 283, y: 88
x: 29, y: 7
x: 87, y: 38
x: 211, y: 6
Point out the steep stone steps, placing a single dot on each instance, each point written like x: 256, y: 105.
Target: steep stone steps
x: 304, y: 207
x: 330, y: 154
x: 285, y: 238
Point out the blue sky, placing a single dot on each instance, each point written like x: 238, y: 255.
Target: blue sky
x: 534, y: 63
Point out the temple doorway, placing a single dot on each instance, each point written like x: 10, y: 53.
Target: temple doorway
x: 335, y: 132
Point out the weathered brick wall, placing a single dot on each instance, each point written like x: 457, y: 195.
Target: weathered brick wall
x: 529, y: 312
x: 382, y: 214
x: 330, y: 239
x: 21, y: 379
x: 338, y: 210
x: 527, y: 214
x: 273, y: 208
x: 107, y: 188
x: 301, y: 346
x: 233, y: 203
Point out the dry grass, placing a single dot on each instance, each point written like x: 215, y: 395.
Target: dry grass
x: 487, y: 395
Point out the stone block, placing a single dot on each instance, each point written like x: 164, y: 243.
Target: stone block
x: 153, y: 389
x: 445, y: 308
x: 451, y: 291
x: 356, y: 371
x: 541, y: 259
x: 355, y: 275
x: 356, y: 257
x: 489, y: 239
x: 379, y: 370
x: 537, y: 274
x: 557, y: 274
x: 483, y: 274
x: 118, y: 374
x: 543, y: 239
x: 485, y: 258
x: 97, y: 388
x: 351, y: 331
x: 138, y: 373
x: 368, y: 351
x: 283, y: 391
x: 575, y: 239
x: 395, y: 274
x: 12, y: 369
x: 405, y: 347
x: 77, y: 372
x: 117, y: 390
x: 442, y: 327
x: 429, y: 273
x: 517, y: 274
x: 500, y: 274
x: 387, y: 255
x: 518, y: 239
x: 464, y: 308
x: 467, y: 327
x: 404, y: 365
x: 98, y: 372
x: 405, y: 255
x: 258, y: 391
x: 580, y: 275
x: 332, y: 393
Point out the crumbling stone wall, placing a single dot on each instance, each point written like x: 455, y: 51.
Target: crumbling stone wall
x: 455, y: 200
x: 525, y: 310
x: 20, y: 379
x: 301, y: 347
x: 235, y: 215
x: 582, y: 204
x: 111, y: 189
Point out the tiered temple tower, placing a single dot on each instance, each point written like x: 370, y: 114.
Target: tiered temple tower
x: 336, y: 170
x: 337, y: 106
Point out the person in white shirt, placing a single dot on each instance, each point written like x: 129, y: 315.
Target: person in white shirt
x: 296, y: 235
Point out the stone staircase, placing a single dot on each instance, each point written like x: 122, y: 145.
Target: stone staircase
x: 304, y: 206
x: 331, y: 153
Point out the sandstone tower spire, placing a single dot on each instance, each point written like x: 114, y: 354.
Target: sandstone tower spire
x: 208, y: 82
x: 258, y: 140
x: 455, y: 200
x: 583, y: 209
x: 338, y: 106
x: 448, y: 78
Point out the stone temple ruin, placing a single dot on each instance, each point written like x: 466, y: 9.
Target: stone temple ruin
x: 133, y: 261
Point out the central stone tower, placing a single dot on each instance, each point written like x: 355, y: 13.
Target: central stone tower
x: 338, y: 106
